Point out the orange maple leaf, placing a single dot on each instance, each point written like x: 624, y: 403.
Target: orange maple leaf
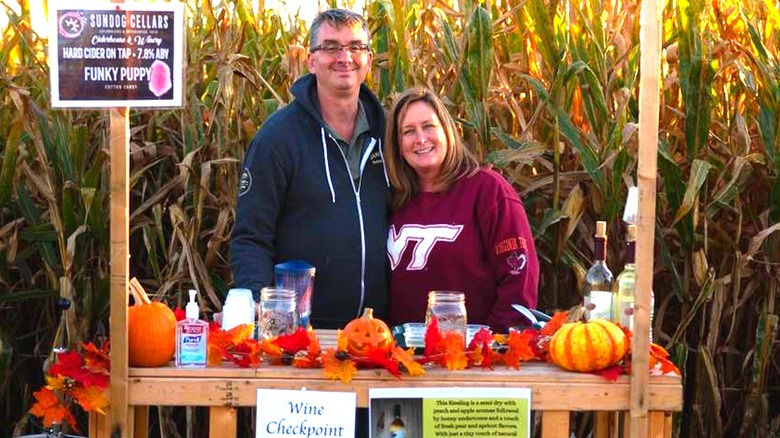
x: 520, y: 348
x: 97, y: 360
x: 337, y: 368
x: 306, y: 362
x: 552, y: 326
x: 270, y: 348
x: 314, y: 350
x: 49, y: 406
x: 406, y: 358
x: 341, y: 341
x: 92, y: 399
x: 451, y: 345
x: 222, y: 341
x: 659, y: 356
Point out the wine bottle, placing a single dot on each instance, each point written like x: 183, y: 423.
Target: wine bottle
x: 597, y: 292
x: 397, y: 427
x: 625, y: 286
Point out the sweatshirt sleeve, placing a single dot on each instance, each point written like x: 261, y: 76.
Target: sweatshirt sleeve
x: 261, y: 193
x: 511, y: 250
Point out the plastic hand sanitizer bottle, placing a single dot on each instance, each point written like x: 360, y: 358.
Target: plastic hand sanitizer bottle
x: 192, y: 337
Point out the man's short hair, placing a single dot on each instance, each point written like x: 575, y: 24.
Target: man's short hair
x: 336, y: 18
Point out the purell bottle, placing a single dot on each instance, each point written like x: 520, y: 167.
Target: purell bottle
x: 192, y: 337
x: 597, y: 292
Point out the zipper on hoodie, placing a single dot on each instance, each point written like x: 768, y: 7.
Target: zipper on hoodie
x: 356, y: 191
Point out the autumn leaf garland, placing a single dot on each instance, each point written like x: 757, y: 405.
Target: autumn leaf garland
x: 83, y: 377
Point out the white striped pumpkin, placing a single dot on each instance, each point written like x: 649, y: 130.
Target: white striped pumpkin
x: 587, y: 346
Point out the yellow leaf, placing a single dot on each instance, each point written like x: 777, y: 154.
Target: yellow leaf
x: 92, y: 399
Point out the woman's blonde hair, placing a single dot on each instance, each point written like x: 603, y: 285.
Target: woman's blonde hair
x: 458, y: 160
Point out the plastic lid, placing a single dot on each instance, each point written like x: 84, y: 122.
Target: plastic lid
x: 192, y: 310
x: 296, y: 266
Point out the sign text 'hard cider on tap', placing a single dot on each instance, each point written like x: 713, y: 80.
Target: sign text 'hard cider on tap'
x: 111, y: 55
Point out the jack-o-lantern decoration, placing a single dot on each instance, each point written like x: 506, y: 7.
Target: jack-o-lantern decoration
x: 151, y: 330
x: 366, y: 333
x: 586, y: 346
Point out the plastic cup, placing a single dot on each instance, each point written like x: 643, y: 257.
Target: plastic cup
x: 298, y: 276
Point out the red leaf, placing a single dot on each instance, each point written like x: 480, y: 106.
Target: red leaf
x: 612, y: 373
x: 70, y: 365
x: 179, y: 313
x: 293, y: 343
x: 432, y: 337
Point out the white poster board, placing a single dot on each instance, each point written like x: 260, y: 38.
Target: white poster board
x: 282, y: 412
x: 450, y: 412
x: 116, y: 54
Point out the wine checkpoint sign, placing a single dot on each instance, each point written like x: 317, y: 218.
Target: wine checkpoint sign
x: 116, y: 54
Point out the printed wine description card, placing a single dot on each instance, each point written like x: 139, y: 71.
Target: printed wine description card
x: 450, y: 412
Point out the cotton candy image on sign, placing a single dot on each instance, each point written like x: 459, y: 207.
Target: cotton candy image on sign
x: 160, y: 78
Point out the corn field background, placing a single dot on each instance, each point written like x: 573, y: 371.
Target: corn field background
x: 545, y: 90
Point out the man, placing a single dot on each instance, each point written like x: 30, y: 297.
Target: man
x: 314, y: 186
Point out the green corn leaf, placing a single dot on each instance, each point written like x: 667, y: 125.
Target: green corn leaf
x: 726, y: 195
x: 24, y: 295
x: 11, y: 152
x: 478, y: 53
x: 697, y: 178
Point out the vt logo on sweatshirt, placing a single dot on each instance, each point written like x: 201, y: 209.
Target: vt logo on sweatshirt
x: 426, y: 236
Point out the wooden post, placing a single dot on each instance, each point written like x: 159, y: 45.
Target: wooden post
x: 119, y: 143
x: 649, y: 97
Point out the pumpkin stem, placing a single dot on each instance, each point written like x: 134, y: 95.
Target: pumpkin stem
x: 138, y: 292
x: 368, y: 312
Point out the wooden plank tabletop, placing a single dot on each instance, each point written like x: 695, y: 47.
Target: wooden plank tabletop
x: 552, y: 388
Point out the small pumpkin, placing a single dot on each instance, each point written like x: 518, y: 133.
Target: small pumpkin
x: 587, y: 345
x: 151, y: 330
x: 366, y: 333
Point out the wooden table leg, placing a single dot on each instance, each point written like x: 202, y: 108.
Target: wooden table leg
x: 605, y: 424
x: 555, y: 424
x: 223, y: 422
x: 660, y: 424
x: 141, y: 414
x: 98, y: 426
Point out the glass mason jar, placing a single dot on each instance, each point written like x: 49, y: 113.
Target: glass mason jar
x: 449, y: 308
x: 277, y: 312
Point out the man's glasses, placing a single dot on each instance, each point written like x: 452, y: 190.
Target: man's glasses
x: 334, y: 49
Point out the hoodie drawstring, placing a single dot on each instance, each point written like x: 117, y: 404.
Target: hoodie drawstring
x: 327, y: 166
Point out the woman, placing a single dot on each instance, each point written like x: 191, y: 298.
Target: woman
x: 455, y: 225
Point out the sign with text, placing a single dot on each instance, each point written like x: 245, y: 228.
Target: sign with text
x: 289, y: 413
x: 116, y: 54
x: 450, y: 412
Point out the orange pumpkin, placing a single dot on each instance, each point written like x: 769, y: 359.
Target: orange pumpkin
x: 588, y: 345
x: 151, y: 331
x: 366, y: 333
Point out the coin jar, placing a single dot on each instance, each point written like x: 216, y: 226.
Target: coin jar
x: 449, y: 308
x: 277, y: 312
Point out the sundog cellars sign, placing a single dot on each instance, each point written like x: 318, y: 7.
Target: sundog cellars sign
x: 116, y: 54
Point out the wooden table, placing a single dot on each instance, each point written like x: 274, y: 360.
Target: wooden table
x: 555, y: 392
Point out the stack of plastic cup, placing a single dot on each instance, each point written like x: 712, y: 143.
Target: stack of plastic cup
x: 298, y: 276
x: 239, y: 309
